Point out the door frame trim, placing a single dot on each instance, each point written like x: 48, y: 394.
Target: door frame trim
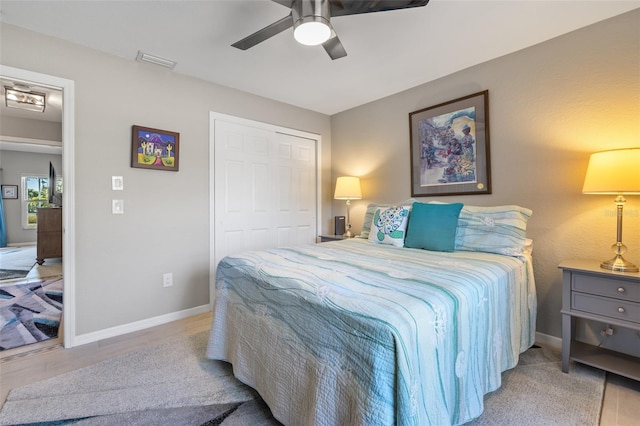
x: 68, y: 166
x: 213, y: 116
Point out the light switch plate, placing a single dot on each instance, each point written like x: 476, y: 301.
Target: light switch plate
x: 117, y: 206
x: 117, y: 183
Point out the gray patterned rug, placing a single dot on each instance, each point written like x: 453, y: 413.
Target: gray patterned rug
x: 30, y: 312
x: 174, y: 384
x: 170, y: 384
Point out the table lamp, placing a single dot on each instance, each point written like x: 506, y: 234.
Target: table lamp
x: 348, y: 188
x: 615, y: 172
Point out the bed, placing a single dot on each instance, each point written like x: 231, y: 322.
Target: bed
x: 359, y: 332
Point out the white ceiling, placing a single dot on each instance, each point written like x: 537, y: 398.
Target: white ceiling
x: 387, y: 51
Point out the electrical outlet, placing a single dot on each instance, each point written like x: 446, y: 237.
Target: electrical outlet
x: 167, y: 279
x: 607, y: 331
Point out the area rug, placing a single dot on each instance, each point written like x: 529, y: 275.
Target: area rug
x: 30, y: 312
x: 11, y: 274
x: 175, y: 384
x: 538, y: 393
x: 170, y: 384
x: 16, y: 262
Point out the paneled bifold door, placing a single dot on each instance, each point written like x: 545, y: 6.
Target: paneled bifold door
x: 265, y: 185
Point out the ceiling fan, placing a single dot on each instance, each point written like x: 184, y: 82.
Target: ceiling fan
x: 311, y: 21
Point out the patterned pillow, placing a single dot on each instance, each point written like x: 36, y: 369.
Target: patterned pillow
x: 498, y: 229
x: 371, y: 209
x: 389, y: 225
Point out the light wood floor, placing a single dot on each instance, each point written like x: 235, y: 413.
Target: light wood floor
x: 49, y: 269
x: 36, y: 362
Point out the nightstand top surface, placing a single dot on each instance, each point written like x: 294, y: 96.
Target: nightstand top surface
x: 593, y: 266
x: 334, y: 237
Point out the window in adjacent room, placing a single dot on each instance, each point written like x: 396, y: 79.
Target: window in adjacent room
x: 35, y: 194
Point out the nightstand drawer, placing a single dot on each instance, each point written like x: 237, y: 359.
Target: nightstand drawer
x: 618, y: 289
x: 619, y: 309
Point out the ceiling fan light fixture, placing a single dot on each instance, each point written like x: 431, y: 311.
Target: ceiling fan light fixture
x: 312, y: 30
x: 311, y: 25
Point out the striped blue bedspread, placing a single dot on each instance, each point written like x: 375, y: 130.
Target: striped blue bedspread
x: 353, y: 333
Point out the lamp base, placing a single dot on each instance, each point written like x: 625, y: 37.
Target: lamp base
x: 619, y: 264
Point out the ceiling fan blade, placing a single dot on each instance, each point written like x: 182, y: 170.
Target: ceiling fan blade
x: 265, y: 33
x: 287, y: 3
x: 354, y: 7
x: 334, y: 47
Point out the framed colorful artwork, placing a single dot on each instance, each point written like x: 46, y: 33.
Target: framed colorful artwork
x: 155, y: 149
x: 450, y: 147
x: 10, y: 191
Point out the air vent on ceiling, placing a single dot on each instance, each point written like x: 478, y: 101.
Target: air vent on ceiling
x: 156, y: 60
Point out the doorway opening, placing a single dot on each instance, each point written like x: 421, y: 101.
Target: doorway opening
x: 31, y: 146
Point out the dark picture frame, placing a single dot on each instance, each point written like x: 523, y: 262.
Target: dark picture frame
x: 449, y: 146
x: 155, y: 149
x: 10, y: 192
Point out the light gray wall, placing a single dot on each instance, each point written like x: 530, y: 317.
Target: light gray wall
x: 14, y: 165
x: 31, y: 129
x: 550, y: 106
x: 121, y: 258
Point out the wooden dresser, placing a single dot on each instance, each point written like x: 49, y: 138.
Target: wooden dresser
x: 49, y: 243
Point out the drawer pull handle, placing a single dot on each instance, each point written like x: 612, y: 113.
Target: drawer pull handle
x: 621, y: 310
x: 621, y: 290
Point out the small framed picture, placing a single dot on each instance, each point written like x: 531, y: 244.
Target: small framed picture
x: 450, y: 148
x: 155, y: 149
x: 10, y: 191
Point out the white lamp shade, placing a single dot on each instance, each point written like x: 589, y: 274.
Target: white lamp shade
x: 613, y: 172
x: 348, y: 188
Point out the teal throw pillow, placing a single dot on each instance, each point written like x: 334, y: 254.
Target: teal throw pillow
x: 433, y: 226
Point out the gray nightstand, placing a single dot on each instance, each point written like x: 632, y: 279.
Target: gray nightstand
x: 593, y: 293
x: 326, y: 238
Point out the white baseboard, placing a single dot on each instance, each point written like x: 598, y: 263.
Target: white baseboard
x: 137, y: 326
x: 548, y: 340
x: 21, y: 244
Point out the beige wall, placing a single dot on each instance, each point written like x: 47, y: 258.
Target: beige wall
x: 120, y: 259
x: 550, y: 106
x: 31, y: 129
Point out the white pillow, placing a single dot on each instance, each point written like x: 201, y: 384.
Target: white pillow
x: 368, y: 218
x: 389, y: 225
x: 497, y: 229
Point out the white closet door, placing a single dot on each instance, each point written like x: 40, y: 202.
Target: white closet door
x: 264, y: 189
